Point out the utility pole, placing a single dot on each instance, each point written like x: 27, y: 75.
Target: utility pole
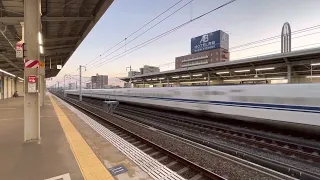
x: 76, y: 85
x: 80, y: 94
x: 64, y: 83
x: 130, y: 74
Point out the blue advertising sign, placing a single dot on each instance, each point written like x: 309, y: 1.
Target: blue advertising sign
x: 213, y: 40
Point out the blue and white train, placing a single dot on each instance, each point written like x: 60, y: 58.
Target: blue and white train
x: 291, y: 105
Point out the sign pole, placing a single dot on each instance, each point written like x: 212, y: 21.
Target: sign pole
x: 80, y: 95
x: 80, y: 91
x: 31, y: 99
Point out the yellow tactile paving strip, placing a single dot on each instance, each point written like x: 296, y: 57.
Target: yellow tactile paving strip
x: 89, y: 164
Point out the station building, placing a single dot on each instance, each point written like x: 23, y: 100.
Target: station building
x: 301, y: 66
x: 206, y: 49
x: 201, y: 58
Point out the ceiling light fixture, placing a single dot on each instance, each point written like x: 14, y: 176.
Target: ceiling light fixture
x: 246, y: 70
x: 197, y: 75
x: 262, y: 69
x: 223, y: 72
x: 7, y: 73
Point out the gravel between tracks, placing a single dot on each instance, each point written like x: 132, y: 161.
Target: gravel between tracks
x: 270, y: 155
x: 307, y: 166
x: 212, y: 162
x: 315, y: 168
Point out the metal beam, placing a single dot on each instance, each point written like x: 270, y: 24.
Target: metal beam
x: 216, y: 76
x: 52, y: 72
x: 10, y: 69
x: 17, y: 20
x: 4, y: 65
x: 54, y: 56
x: 10, y: 62
x: 59, y: 47
x: 292, y: 70
x: 46, y: 18
x: 60, y: 39
x: 54, y: 51
x: 102, y: 7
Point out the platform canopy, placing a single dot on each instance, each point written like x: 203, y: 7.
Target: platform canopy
x: 269, y: 66
x: 65, y: 24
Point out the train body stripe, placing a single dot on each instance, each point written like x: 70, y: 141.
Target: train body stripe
x: 284, y: 107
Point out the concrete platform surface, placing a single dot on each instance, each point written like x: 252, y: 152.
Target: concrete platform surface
x: 32, y: 161
x: 69, y: 148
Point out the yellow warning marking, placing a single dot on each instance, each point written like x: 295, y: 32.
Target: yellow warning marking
x: 89, y: 164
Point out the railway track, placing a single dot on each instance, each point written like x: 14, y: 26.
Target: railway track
x: 298, y: 149
x: 181, y: 166
x: 204, y: 136
x: 200, y: 131
x: 204, y: 161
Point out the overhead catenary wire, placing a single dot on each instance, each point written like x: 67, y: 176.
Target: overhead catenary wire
x: 139, y: 46
x: 276, y: 37
x: 137, y: 30
x: 277, y: 51
x: 255, y: 55
x: 276, y: 42
x: 296, y: 32
x: 270, y: 38
x: 174, y: 12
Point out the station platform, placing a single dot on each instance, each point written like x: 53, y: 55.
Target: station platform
x: 69, y: 148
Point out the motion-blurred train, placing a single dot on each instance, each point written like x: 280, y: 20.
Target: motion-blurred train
x: 290, y: 105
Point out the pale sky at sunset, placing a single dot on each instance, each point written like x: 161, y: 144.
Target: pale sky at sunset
x: 244, y: 20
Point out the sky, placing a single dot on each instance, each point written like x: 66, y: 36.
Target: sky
x: 244, y: 20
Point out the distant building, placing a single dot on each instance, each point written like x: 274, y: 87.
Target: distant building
x: 201, y: 58
x: 149, y: 69
x: 133, y: 73
x: 99, y: 81
x: 88, y: 85
x: 127, y: 85
x: 72, y: 86
x: 112, y: 86
x: 208, y: 48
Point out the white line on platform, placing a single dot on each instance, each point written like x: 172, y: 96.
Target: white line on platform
x: 7, y: 108
x: 63, y: 177
x: 10, y: 119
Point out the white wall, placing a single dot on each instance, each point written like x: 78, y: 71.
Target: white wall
x: 20, y: 88
x: 13, y: 89
x: 1, y: 87
x: 305, y: 80
x: 5, y: 87
x: 9, y: 87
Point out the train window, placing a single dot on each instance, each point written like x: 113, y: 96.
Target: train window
x: 238, y: 98
x: 176, y: 93
x: 197, y: 93
x: 236, y: 90
x: 214, y: 93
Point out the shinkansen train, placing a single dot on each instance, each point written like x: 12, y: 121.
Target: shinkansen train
x: 295, y: 105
